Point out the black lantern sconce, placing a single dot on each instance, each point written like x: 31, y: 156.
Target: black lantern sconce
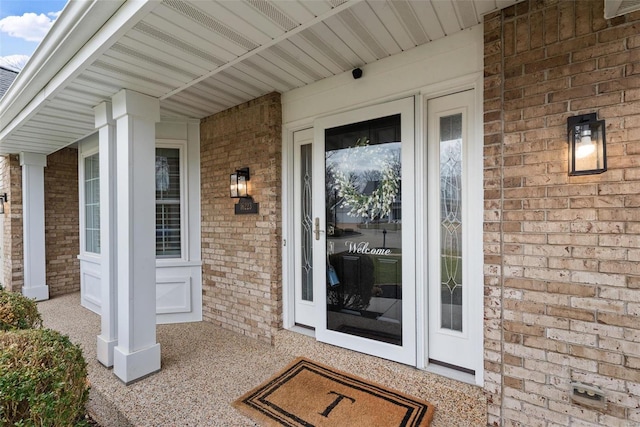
x: 238, y: 183
x: 587, y: 145
x: 239, y: 189
x: 3, y: 200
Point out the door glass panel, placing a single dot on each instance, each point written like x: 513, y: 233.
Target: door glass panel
x: 306, y: 223
x: 451, y: 221
x: 364, y: 229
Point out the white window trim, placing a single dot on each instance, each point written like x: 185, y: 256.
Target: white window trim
x: 84, y: 254
x: 181, y: 146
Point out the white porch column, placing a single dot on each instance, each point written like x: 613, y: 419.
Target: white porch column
x: 35, y: 273
x: 108, y: 338
x: 137, y: 354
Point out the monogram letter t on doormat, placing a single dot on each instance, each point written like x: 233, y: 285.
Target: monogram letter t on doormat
x: 313, y: 395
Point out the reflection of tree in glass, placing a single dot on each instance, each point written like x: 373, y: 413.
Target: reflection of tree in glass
x: 371, y: 175
x: 329, y: 184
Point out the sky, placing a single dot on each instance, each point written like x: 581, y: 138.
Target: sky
x: 23, y: 24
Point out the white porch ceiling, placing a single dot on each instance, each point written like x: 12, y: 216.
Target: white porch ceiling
x: 613, y: 8
x: 202, y: 57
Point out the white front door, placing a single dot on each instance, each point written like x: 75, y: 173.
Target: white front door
x: 364, y: 230
x: 454, y: 228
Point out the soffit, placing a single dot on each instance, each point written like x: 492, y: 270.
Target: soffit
x: 200, y: 58
x: 613, y: 8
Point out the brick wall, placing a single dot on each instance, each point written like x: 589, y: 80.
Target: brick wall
x: 242, y: 280
x: 5, y: 238
x: 62, y: 222
x: 11, y: 179
x: 562, y: 279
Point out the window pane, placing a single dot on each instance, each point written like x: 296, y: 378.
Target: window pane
x: 307, y: 223
x: 451, y: 221
x: 168, y: 230
x: 96, y: 237
x: 92, y: 203
x: 168, y: 219
x: 88, y: 218
x: 167, y: 174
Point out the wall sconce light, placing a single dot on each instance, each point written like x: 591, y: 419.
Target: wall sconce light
x: 3, y: 200
x: 238, y: 189
x: 587, y: 145
x: 238, y: 183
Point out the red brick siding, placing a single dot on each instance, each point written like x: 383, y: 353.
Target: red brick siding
x: 242, y: 279
x: 562, y: 279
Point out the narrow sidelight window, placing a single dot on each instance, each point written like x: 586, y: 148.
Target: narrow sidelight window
x: 168, y: 203
x: 92, y: 203
x: 451, y: 221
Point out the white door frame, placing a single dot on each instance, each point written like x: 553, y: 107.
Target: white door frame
x: 469, y: 81
x: 449, y: 341
x: 288, y: 227
x: 304, y: 311
x: 475, y: 264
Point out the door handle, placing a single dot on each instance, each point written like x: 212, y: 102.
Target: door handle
x: 317, y: 230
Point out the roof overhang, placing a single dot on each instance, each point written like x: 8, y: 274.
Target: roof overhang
x: 199, y: 58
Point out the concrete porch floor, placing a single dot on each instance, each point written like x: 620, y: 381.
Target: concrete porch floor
x: 205, y: 368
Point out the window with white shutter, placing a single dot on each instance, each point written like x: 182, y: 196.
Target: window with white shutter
x: 168, y: 203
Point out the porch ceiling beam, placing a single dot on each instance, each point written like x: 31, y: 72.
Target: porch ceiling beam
x: 320, y: 18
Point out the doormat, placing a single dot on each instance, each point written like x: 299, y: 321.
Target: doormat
x: 312, y: 395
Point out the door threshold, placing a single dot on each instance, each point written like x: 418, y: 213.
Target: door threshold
x: 455, y: 374
x: 304, y: 330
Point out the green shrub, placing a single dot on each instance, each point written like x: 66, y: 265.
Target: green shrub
x: 18, y: 312
x: 43, y: 379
